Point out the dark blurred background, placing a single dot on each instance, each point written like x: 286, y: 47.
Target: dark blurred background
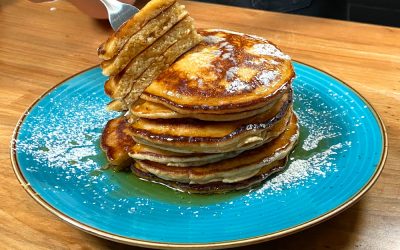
x: 383, y: 12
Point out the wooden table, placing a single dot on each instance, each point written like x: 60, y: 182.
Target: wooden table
x: 41, y: 44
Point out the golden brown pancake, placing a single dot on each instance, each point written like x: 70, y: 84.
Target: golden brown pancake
x: 147, y: 35
x: 115, y: 141
x: 196, y: 136
x: 144, y: 152
x: 215, y: 187
x: 120, y: 85
x: 114, y: 44
x: 241, y: 167
x: 143, y: 47
x: 151, y: 110
x: 227, y: 72
x: 170, y: 55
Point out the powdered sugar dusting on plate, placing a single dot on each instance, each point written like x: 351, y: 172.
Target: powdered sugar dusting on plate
x: 302, y: 169
x: 66, y: 137
x: 322, y: 141
x: 77, y: 120
x: 315, y: 137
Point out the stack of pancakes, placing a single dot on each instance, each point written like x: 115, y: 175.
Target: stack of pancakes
x: 218, y: 119
x: 143, y: 47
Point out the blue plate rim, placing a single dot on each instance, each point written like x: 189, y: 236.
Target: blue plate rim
x: 222, y: 244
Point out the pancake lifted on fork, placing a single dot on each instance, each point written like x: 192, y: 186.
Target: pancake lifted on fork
x: 157, y: 66
x: 143, y: 47
x: 117, y: 40
x: 226, y: 73
x: 119, y: 85
x: 148, y: 34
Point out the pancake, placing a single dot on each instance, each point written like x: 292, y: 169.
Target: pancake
x: 144, y: 152
x: 144, y: 37
x: 205, y: 114
x: 195, y: 136
x: 145, y: 79
x: 117, y: 40
x: 115, y: 142
x: 119, y: 86
x: 239, y: 168
x: 215, y: 187
x: 227, y: 72
x: 151, y: 110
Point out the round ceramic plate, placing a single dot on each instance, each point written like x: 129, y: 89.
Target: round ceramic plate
x: 57, y: 158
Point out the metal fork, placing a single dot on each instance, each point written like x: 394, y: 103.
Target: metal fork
x: 118, y: 12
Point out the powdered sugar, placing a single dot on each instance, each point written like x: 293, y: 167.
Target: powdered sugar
x: 68, y: 140
x: 231, y: 73
x: 213, y: 39
x: 227, y: 46
x: 273, y: 62
x: 322, y: 144
x: 237, y: 86
x: 268, y: 49
x: 267, y: 76
x: 216, y: 52
x: 315, y: 136
x: 226, y: 56
x: 301, y: 169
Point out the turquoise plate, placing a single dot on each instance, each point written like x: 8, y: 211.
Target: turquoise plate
x: 57, y: 158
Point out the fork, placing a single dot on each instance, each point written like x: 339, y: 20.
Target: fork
x: 118, y: 13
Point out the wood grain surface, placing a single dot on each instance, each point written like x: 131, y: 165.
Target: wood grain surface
x: 41, y: 44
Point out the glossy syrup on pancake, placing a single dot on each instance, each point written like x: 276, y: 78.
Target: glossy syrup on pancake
x: 145, y: 152
x: 227, y: 72
x: 214, y: 187
x: 189, y: 135
x: 241, y: 167
x: 151, y: 110
x: 115, y: 140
